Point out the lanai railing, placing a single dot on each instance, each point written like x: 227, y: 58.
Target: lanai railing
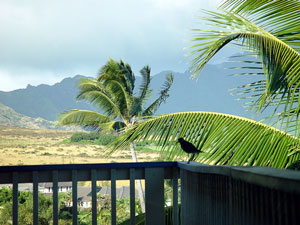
x: 210, y: 195
x: 154, y: 174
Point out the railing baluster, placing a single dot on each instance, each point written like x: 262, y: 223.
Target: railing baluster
x: 175, y: 197
x: 74, y: 196
x: 132, y: 195
x: 55, y: 196
x: 15, y: 198
x: 183, y: 180
x: 154, y: 180
x: 35, y: 178
x: 94, y: 196
x: 113, y: 196
x: 230, y: 200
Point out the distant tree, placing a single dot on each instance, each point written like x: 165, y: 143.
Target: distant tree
x: 113, y: 93
x: 5, y: 195
x: 25, y: 199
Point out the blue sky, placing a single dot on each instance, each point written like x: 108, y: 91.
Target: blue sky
x: 45, y: 41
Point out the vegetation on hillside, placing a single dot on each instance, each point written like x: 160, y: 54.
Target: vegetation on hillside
x: 9, y: 117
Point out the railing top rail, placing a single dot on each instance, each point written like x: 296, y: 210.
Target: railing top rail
x: 228, y: 170
x: 86, y: 166
x: 288, y: 180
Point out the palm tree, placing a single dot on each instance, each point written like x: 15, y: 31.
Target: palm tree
x: 269, y: 30
x: 113, y: 93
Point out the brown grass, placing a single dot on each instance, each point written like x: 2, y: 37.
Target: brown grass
x: 20, y: 146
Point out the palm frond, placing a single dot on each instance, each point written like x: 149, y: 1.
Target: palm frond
x: 267, y: 93
x: 120, y: 96
x: 281, y: 18
x: 280, y: 62
x: 144, y: 92
x: 164, y: 94
x: 223, y: 139
x: 95, y: 92
x: 112, y: 125
x: 125, y: 69
x: 119, y: 71
x: 83, y: 118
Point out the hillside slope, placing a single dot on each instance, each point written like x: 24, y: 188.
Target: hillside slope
x: 45, y: 101
x: 9, y: 117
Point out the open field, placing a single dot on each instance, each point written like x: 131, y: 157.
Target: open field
x: 21, y: 146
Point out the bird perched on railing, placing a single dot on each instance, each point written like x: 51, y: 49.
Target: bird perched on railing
x: 188, y: 148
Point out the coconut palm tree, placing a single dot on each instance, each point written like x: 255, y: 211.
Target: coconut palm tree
x: 269, y: 30
x: 113, y: 93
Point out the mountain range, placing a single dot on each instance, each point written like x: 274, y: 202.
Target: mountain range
x: 208, y: 93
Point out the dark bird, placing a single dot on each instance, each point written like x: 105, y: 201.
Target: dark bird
x: 188, y: 148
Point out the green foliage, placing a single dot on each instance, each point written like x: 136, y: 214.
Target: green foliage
x: 6, y: 214
x: 123, y: 210
x: 5, y: 195
x: 65, y: 217
x: 141, y: 219
x: 26, y: 209
x: 25, y: 199
x: 113, y: 92
x: 223, y: 139
x: 268, y: 30
x: 105, y: 139
x: 92, y: 137
x: 77, y: 137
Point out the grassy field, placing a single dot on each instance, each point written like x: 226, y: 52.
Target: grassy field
x: 20, y: 146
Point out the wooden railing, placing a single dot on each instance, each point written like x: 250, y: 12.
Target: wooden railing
x: 210, y: 195
x: 154, y: 174
x: 223, y: 195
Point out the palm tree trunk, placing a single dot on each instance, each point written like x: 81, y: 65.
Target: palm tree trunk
x: 139, y: 183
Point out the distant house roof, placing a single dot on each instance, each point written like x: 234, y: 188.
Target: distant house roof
x: 122, y: 192
x: 84, y: 193
x: 60, y: 184
x: 21, y: 186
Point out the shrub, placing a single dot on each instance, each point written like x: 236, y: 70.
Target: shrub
x: 94, y: 137
x: 105, y: 139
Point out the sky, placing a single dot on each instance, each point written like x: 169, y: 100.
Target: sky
x: 46, y: 41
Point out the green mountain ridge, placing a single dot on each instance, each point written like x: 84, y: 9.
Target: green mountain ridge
x: 9, y: 117
x: 208, y: 93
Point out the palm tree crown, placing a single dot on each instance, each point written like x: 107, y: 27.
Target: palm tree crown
x: 113, y: 93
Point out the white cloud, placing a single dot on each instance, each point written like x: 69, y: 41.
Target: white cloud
x: 57, y: 38
x: 28, y: 76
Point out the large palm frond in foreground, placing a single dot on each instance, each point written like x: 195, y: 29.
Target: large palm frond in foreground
x: 269, y: 30
x: 224, y: 139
